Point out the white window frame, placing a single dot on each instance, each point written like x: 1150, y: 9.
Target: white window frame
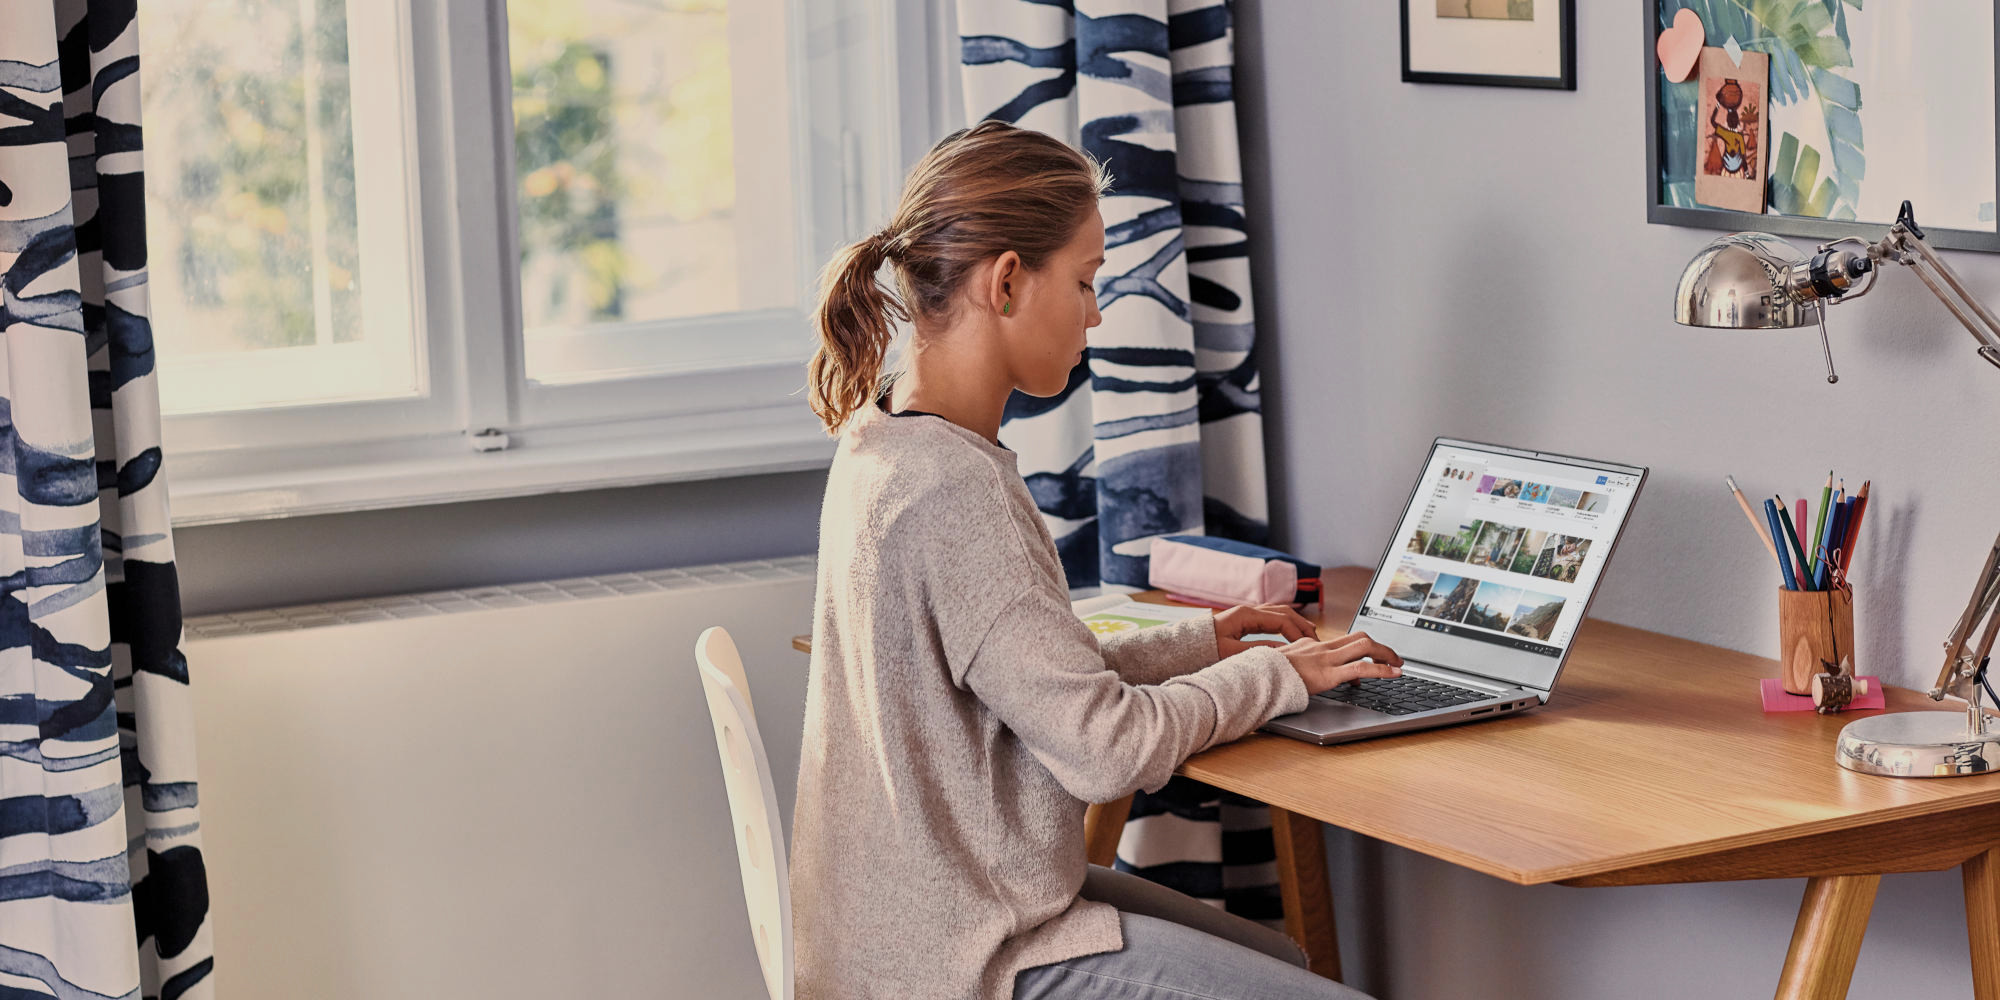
x: 483, y: 429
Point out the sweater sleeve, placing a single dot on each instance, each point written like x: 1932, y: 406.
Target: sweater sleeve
x: 1155, y: 655
x: 1039, y: 669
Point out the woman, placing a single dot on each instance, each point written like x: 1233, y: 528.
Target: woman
x: 958, y: 715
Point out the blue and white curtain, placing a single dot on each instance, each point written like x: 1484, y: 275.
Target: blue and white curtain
x: 102, y: 889
x: 1159, y: 431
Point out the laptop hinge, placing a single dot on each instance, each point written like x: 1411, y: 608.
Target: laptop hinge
x: 1500, y: 682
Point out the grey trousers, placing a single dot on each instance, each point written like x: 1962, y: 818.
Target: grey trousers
x: 1177, y: 948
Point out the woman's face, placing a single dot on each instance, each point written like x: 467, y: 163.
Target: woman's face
x: 1051, y: 309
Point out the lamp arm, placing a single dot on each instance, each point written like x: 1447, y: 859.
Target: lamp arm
x: 1961, y: 667
x: 1904, y: 244
x: 1985, y: 650
x: 1973, y: 668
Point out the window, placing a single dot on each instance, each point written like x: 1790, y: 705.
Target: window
x: 261, y: 195
x: 636, y: 126
x: 405, y: 251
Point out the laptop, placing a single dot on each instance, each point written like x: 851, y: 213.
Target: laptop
x: 1481, y: 589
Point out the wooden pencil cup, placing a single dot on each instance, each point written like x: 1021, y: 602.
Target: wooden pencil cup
x: 1815, y: 632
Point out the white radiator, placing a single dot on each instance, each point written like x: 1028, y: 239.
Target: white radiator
x: 490, y: 794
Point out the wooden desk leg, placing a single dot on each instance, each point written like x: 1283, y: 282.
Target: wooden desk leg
x: 1102, y: 826
x: 1827, y: 938
x: 1982, y: 921
x: 1302, y: 882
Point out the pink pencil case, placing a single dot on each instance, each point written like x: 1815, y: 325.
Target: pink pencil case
x: 1219, y: 571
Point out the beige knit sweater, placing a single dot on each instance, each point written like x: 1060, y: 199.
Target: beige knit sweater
x: 958, y: 717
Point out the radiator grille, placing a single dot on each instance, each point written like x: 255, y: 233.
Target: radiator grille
x: 444, y: 602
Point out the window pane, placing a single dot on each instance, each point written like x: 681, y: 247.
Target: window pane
x: 653, y: 148
x: 259, y: 224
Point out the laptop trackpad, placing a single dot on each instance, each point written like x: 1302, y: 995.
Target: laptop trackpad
x: 1323, y: 716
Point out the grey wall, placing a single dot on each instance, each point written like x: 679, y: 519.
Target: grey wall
x: 1476, y: 262
x: 256, y: 564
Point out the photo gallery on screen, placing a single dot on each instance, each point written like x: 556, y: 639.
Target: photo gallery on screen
x: 1546, y: 554
x: 1554, y: 496
x: 1500, y: 607
x: 1480, y: 603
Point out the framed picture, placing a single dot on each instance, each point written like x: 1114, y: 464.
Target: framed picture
x: 1491, y: 43
x: 1866, y: 106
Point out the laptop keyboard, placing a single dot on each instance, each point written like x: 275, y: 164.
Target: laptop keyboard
x: 1404, y: 695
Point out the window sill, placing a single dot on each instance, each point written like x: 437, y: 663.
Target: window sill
x: 225, y: 486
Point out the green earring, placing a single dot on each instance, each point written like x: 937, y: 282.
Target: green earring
x: 1006, y: 307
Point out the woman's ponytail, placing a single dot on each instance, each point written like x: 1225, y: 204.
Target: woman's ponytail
x: 979, y: 193
x: 854, y: 319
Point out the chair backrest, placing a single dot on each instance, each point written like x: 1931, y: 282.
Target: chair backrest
x: 753, y: 806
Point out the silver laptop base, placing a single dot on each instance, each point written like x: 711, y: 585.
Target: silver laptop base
x: 1327, y: 722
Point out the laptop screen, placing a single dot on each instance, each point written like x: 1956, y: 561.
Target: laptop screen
x: 1499, y: 548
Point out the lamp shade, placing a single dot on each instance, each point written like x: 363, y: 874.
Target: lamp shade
x: 1743, y: 281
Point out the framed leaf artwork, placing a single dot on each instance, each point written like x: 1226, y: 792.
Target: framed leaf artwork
x: 1864, y: 104
x: 1491, y: 43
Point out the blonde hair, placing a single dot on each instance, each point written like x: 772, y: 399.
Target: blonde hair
x: 978, y: 193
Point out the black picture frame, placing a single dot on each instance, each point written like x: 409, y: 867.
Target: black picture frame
x: 1823, y: 230
x: 1565, y: 80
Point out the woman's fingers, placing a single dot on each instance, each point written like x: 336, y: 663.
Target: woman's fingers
x: 1381, y: 654
x: 1246, y: 619
x: 1327, y: 664
x: 1331, y: 663
x: 1356, y: 645
x: 1325, y: 675
x: 1264, y: 619
x: 1305, y: 627
x: 1364, y: 668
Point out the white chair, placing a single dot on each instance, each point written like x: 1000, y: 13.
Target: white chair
x: 753, y: 806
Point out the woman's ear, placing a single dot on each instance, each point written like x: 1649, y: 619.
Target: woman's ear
x: 1003, y: 281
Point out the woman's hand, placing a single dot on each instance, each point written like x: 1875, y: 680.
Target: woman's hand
x: 1232, y: 625
x: 1330, y: 663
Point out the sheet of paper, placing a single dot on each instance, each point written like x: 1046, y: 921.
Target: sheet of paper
x: 1133, y: 615
x: 1136, y: 615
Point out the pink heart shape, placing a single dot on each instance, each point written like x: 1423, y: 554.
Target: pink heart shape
x: 1680, y: 45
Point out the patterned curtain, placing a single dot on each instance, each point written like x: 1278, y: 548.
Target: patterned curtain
x: 102, y: 889
x: 1159, y: 431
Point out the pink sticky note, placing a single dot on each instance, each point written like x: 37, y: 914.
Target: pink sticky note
x: 1777, y: 699
x: 1680, y: 45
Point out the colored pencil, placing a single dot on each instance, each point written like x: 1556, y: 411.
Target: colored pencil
x: 1854, y: 526
x: 1800, y: 527
x: 1846, y: 536
x: 1843, y: 516
x: 1771, y: 511
x: 1791, y: 532
x: 1829, y: 545
x: 1763, y: 533
x: 1819, y: 525
x: 1824, y: 546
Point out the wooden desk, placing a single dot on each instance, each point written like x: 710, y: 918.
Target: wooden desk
x: 1613, y: 783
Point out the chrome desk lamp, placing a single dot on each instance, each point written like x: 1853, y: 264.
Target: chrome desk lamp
x: 1755, y: 281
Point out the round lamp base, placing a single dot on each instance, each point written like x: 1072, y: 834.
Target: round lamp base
x: 1917, y: 745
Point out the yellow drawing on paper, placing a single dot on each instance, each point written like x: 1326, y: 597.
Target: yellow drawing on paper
x: 1111, y: 626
